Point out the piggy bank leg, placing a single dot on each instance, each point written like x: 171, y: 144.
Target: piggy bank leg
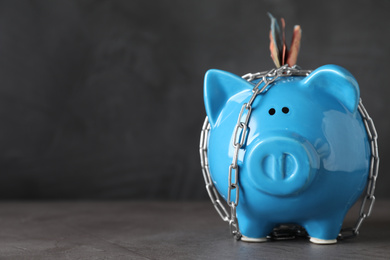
x: 253, y: 240
x: 324, y: 231
x: 254, y: 230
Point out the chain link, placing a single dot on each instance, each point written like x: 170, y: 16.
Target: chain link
x: 369, y: 198
x: 239, y: 137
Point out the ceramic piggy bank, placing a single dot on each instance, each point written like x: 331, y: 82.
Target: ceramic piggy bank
x: 305, y: 159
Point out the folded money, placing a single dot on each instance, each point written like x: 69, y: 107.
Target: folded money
x: 280, y: 54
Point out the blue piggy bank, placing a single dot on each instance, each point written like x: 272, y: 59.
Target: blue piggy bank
x: 306, y: 155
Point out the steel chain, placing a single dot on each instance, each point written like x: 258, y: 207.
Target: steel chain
x: 239, y: 137
x: 366, y: 209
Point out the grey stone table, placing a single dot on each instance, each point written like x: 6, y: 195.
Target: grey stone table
x: 161, y: 230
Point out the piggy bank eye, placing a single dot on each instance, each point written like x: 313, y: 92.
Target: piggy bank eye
x: 285, y: 110
x: 272, y: 111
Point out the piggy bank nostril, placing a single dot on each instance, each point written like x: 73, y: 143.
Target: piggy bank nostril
x: 279, y: 167
x: 289, y: 165
x: 285, y: 110
x: 272, y: 111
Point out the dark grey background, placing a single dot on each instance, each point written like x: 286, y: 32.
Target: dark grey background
x: 103, y: 99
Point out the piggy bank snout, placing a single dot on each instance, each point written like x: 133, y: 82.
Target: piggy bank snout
x: 282, y: 165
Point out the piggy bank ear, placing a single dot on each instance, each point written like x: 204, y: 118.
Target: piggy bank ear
x: 337, y: 82
x: 219, y: 86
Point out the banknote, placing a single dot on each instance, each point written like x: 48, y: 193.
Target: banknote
x: 280, y: 53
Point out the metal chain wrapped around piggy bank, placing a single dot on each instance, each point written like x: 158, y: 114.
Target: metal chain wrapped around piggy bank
x: 288, y: 147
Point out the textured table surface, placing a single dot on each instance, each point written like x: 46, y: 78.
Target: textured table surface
x: 161, y: 230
